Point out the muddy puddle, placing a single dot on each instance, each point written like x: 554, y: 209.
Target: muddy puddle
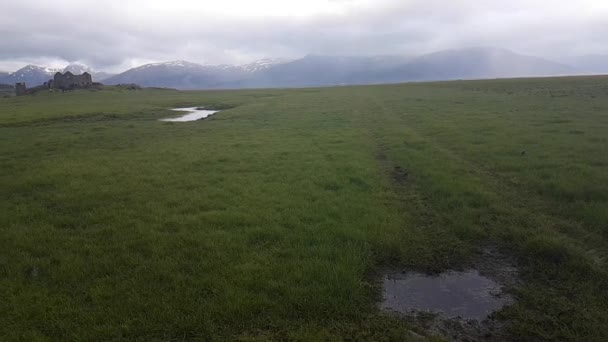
x: 194, y: 113
x: 458, y: 305
x: 466, y: 295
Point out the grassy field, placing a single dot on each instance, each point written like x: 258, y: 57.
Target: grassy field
x: 272, y: 219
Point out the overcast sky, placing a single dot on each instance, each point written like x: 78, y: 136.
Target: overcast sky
x: 114, y: 35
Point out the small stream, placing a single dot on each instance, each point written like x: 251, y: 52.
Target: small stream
x: 194, y: 113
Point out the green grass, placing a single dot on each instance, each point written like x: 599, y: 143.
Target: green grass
x: 272, y: 219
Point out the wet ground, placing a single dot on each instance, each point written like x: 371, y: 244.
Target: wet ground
x: 467, y: 295
x: 460, y: 305
x: 194, y: 113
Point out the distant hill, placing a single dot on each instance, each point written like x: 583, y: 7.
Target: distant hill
x: 177, y: 74
x: 473, y: 64
x: 444, y: 65
x: 262, y: 64
x: 319, y: 70
x: 34, y: 75
x: 78, y: 69
x: 100, y: 76
x: 593, y: 64
x: 316, y: 70
x: 186, y: 75
x: 312, y: 70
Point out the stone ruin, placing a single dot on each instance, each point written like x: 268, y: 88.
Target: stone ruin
x: 68, y: 81
x: 20, y: 88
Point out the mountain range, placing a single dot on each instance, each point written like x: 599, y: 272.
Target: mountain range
x: 588, y: 64
x: 186, y: 75
x: 318, y: 70
x: 34, y: 75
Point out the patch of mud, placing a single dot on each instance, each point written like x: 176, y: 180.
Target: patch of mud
x: 381, y: 156
x: 400, y: 174
x: 467, y: 295
x: 460, y: 305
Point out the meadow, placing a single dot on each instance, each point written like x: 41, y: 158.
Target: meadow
x: 273, y: 219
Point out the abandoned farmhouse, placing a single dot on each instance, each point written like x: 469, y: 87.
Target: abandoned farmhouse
x: 61, y: 81
x: 70, y: 81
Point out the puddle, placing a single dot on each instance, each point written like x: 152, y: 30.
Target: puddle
x: 193, y: 114
x: 467, y: 295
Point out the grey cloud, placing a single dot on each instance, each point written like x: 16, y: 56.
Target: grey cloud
x: 110, y: 34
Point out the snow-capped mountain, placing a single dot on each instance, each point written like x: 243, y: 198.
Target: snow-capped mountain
x: 78, y: 69
x: 32, y: 75
x: 262, y: 64
x: 172, y: 64
x: 188, y: 75
x: 180, y: 74
x: 319, y: 70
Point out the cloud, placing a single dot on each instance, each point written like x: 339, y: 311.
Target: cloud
x: 117, y: 34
